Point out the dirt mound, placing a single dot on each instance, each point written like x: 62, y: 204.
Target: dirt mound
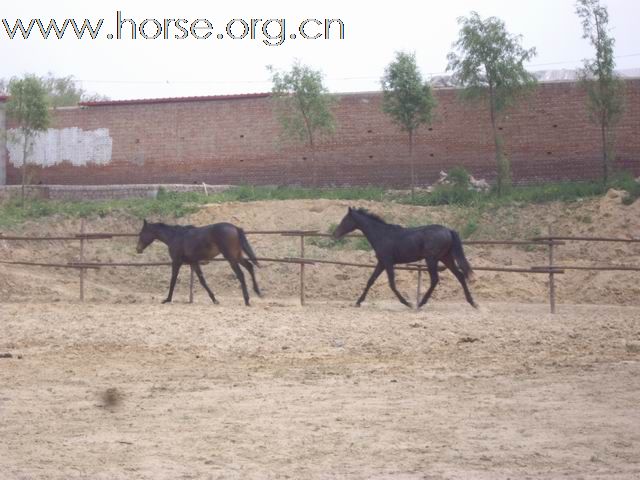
x: 606, y: 216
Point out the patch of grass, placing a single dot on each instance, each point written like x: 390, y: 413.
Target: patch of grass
x: 361, y: 244
x: 419, y: 222
x: 175, y: 205
x: 625, y: 181
x: 549, y: 192
x: 166, y: 205
x: 250, y: 193
x: 470, y: 228
x: 445, y: 195
x: 328, y: 242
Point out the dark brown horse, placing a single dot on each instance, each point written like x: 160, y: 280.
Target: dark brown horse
x: 394, y: 244
x: 191, y: 245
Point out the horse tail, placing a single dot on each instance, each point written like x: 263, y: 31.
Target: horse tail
x: 247, y: 248
x: 458, y: 255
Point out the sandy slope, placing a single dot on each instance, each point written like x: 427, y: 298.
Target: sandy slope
x: 600, y: 217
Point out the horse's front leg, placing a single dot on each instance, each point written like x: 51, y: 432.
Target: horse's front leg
x: 175, y: 269
x: 374, y: 276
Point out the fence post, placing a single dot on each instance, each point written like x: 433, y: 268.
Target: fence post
x: 419, y: 287
x: 552, y: 283
x: 302, y: 269
x: 191, y: 286
x: 82, y: 231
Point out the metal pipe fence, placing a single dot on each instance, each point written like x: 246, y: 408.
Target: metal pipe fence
x: 550, y: 242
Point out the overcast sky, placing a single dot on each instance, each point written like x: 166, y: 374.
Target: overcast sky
x: 146, y: 68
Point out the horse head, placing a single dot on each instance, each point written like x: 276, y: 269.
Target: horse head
x: 347, y: 225
x: 146, y: 236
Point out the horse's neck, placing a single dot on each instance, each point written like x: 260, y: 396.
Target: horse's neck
x: 373, y: 229
x: 165, y: 234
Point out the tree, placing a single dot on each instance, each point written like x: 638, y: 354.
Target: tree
x: 303, y: 104
x: 28, y: 107
x: 407, y: 99
x: 605, y: 89
x: 61, y: 91
x: 489, y: 63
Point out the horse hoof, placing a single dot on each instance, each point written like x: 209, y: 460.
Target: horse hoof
x: 216, y: 302
x: 166, y: 301
x: 358, y: 305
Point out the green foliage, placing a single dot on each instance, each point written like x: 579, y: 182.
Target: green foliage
x: 407, y: 98
x: 61, y: 91
x: 488, y: 62
x: 247, y: 193
x: 625, y: 181
x: 171, y: 205
x: 65, y: 91
x: 605, y: 90
x: 469, y: 228
x: 303, y: 103
x: 27, y: 104
x: 459, y: 177
x: 361, y: 243
x: 28, y: 107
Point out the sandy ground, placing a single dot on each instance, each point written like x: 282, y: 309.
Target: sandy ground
x: 145, y: 391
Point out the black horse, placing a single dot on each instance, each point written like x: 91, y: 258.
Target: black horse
x: 191, y: 245
x: 394, y: 244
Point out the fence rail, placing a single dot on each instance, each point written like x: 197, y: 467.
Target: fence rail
x: 550, y: 242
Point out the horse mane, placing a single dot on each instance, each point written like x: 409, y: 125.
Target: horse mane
x: 375, y: 218
x: 174, y: 227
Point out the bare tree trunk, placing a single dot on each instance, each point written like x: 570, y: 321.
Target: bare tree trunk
x: 605, y: 156
x: 496, y: 142
x: 24, y: 167
x: 412, y: 166
x: 312, y: 146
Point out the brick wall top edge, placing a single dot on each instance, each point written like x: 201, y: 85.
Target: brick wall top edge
x: 143, y: 101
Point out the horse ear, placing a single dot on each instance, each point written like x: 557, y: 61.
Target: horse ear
x: 144, y: 220
x: 350, y: 209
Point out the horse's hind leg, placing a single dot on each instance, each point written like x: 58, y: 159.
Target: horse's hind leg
x: 236, y: 269
x: 392, y: 283
x: 451, y: 265
x: 175, y: 269
x: 247, y: 264
x: 432, y: 265
x: 196, y: 268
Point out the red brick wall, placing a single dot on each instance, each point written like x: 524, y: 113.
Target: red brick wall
x: 230, y: 141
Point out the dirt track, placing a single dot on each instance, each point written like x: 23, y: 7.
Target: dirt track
x: 326, y: 391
